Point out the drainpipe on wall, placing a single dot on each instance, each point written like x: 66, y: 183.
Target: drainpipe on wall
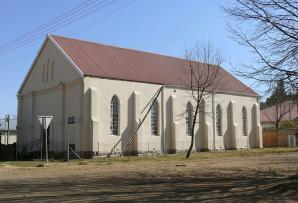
x: 162, y: 120
x: 213, y: 118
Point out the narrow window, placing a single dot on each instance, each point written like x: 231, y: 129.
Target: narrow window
x: 188, y: 118
x: 52, y: 73
x: 244, y: 120
x: 47, y: 72
x: 114, y: 115
x: 43, y: 72
x: 154, y: 118
x: 218, y: 120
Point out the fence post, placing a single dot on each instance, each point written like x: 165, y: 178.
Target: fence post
x: 53, y: 145
x: 67, y: 149
x: 8, y: 122
x: 16, y: 148
x: 41, y: 141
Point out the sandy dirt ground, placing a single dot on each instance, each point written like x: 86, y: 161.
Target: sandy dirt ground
x: 266, y: 178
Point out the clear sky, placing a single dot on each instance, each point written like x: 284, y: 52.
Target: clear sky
x: 160, y: 26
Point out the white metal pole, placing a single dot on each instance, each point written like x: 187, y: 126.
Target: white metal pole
x: 46, y: 132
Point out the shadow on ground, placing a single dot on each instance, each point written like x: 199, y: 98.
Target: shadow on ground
x: 236, y: 187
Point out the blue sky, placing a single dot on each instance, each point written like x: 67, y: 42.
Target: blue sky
x: 161, y: 26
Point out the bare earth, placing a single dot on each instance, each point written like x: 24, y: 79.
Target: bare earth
x: 266, y: 178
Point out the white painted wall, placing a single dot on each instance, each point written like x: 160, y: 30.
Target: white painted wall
x: 63, y: 71
x: 60, y: 97
x: 11, y: 138
x: 173, y: 125
x: 105, y: 90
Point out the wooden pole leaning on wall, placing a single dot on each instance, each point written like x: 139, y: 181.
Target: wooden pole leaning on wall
x: 135, y: 132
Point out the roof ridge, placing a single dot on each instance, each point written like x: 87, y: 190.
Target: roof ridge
x: 118, y: 47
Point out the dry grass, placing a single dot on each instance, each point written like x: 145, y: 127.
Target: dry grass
x: 159, y: 158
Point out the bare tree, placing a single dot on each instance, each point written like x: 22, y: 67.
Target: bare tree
x: 269, y: 28
x: 277, y: 113
x: 280, y: 106
x: 201, y: 76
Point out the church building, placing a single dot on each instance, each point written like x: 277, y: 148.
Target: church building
x: 98, y: 94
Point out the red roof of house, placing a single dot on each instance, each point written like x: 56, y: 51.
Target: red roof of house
x: 105, y: 61
x: 286, y: 111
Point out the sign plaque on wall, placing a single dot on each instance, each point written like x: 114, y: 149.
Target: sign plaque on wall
x: 71, y: 120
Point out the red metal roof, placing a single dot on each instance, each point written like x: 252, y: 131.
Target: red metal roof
x: 105, y: 61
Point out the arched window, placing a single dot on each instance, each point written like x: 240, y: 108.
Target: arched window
x: 188, y: 118
x: 218, y: 120
x: 244, y: 121
x: 114, y: 116
x: 154, y: 118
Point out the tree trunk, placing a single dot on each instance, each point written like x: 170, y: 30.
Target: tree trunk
x: 277, y: 134
x: 191, y: 146
x: 193, y: 131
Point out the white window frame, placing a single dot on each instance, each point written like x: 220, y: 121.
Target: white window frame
x: 218, y: 120
x: 155, y: 119
x: 244, y: 121
x: 189, y: 118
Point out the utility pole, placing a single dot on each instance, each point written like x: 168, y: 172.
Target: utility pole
x: 8, y: 121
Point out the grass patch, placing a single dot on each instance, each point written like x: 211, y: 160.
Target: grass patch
x: 83, y: 162
x: 197, y: 155
x: 159, y: 158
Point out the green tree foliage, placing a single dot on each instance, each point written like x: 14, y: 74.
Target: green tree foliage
x: 278, y: 95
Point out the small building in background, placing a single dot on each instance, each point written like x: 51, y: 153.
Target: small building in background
x: 8, y: 138
x: 280, y: 124
x: 12, y: 135
x: 286, y: 113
